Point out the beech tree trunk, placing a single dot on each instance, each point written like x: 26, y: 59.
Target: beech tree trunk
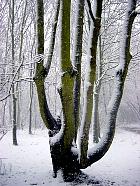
x: 65, y: 155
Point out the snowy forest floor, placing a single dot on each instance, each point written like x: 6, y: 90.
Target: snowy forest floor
x: 29, y: 163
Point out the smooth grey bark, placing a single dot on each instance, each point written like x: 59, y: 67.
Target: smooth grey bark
x: 96, y: 122
x: 30, y: 108
x: 3, y: 117
x: 120, y: 76
x: 41, y: 72
x: 77, y: 61
x: 97, y: 87
x: 93, y: 41
x: 14, y: 108
x: 62, y: 152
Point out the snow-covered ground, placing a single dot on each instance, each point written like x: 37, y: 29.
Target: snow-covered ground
x: 29, y: 163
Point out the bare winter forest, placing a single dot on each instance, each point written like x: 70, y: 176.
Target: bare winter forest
x: 69, y: 92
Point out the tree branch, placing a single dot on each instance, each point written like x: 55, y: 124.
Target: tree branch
x: 40, y: 75
x: 77, y: 61
x: 90, y: 11
x: 96, y: 153
x: 52, y: 41
x: 90, y: 78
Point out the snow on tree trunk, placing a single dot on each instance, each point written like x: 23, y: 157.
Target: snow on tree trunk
x: 96, y: 153
x: 64, y: 154
x: 77, y: 61
x: 41, y: 72
x: 67, y: 77
x: 97, y: 87
x: 88, y: 100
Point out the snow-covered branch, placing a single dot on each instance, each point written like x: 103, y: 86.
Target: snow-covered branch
x: 94, y: 154
x: 11, y: 84
x: 90, y: 11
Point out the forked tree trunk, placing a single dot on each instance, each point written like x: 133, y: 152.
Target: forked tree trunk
x: 64, y: 154
x: 66, y: 162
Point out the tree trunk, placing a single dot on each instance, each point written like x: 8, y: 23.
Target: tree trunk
x: 14, y: 118
x: 120, y: 76
x: 97, y: 87
x: 67, y: 78
x: 64, y: 154
x: 65, y: 161
x: 77, y: 61
x: 18, y: 85
x: 30, y: 109
x: 88, y: 105
x: 96, y: 123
